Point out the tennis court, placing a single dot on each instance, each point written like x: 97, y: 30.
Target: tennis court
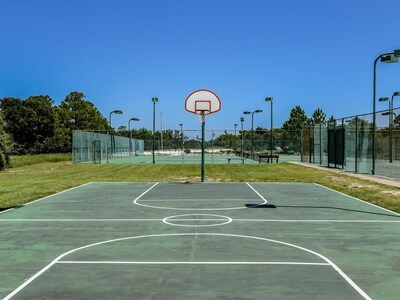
x: 193, y: 159
x: 199, y: 241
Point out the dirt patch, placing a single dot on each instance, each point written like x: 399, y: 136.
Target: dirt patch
x: 394, y: 193
x: 336, y: 178
x: 361, y: 185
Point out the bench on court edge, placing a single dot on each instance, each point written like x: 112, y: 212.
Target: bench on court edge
x: 235, y: 158
x: 268, y: 157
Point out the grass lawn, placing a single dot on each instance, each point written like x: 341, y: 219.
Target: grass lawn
x: 32, y: 181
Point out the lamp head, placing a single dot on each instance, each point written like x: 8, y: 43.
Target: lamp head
x: 268, y: 99
x: 396, y: 94
x: 258, y: 111
x: 241, y: 119
x: 247, y: 112
x: 118, y: 112
x: 180, y: 124
x: 235, y: 125
x: 135, y: 119
x: 384, y: 99
x: 154, y: 99
x: 386, y: 113
x: 391, y: 58
x: 396, y: 53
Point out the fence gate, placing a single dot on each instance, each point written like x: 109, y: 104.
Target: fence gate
x: 97, y: 152
x: 336, y: 147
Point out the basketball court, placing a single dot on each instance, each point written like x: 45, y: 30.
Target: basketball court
x: 199, y: 241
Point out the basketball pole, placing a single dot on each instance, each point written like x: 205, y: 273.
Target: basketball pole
x: 203, y: 122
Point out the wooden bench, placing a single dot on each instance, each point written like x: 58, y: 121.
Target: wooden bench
x: 269, y: 157
x: 235, y: 158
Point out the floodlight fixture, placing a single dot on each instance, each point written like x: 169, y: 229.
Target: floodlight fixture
x: 247, y: 112
x: 396, y: 53
x: 258, y: 111
x: 389, y: 59
x: 384, y: 99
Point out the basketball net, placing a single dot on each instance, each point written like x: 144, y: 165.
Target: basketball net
x: 202, y: 114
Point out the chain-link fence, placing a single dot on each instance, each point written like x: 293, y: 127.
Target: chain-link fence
x: 348, y: 143
x: 103, y: 146
x: 221, y: 146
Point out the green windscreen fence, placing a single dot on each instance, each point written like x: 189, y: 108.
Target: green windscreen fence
x: 102, y: 146
x: 347, y: 143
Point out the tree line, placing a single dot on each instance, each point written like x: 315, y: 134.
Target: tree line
x: 35, y: 125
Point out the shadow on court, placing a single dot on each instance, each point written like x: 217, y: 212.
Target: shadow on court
x: 320, y: 207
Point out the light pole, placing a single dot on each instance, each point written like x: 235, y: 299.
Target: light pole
x: 130, y: 133
x: 252, y: 128
x: 117, y: 112
x: 161, y: 133
x: 235, y: 128
x: 391, y: 57
x: 241, y: 148
x: 154, y: 100
x: 390, y: 113
x: 181, y: 140
x: 269, y: 99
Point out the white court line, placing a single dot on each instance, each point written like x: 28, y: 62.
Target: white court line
x: 145, y: 192
x: 194, y: 263
x: 374, y: 205
x: 349, y: 281
x: 78, y: 220
x: 265, y: 200
x: 40, y: 199
x: 197, y: 200
x: 140, y: 203
x: 317, y: 221
x: 192, y: 220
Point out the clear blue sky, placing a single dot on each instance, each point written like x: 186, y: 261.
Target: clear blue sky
x: 121, y: 53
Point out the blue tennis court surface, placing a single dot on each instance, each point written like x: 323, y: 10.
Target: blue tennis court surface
x: 199, y: 241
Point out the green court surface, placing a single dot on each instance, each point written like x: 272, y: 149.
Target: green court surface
x: 199, y: 241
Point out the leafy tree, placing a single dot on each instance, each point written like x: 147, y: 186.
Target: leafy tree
x: 5, y: 144
x: 30, y: 122
x: 293, y: 126
x: 76, y: 113
x: 40, y: 122
x: 318, y: 117
x: 297, y: 120
x: 332, y: 119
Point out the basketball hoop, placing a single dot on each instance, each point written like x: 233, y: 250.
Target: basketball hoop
x: 202, y: 103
